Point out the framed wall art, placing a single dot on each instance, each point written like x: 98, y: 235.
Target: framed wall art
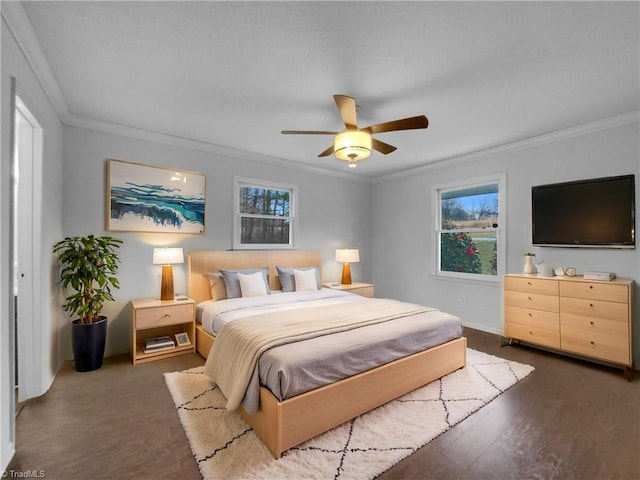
x: 144, y: 198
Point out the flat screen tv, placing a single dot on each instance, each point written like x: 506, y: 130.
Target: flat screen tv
x: 598, y: 213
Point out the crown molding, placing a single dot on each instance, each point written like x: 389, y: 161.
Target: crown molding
x: 22, y: 31
x: 536, y: 141
x: 197, y: 145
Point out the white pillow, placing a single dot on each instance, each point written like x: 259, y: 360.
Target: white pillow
x: 252, y: 285
x: 217, y: 286
x: 305, y: 280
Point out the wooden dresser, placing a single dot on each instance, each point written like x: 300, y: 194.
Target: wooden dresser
x: 584, y: 317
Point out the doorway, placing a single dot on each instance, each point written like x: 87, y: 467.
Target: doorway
x: 28, y: 328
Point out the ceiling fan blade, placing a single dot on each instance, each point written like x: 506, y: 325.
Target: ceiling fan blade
x: 382, y: 147
x: 402, y: 124
x: 327, y: 152
x: 307, y: 132
x: 347, y: 108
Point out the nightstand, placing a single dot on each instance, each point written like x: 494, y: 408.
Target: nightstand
x: 155, y: 318
x: 363, y: 289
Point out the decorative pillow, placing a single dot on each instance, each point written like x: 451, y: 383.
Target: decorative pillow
x: 252, y: 285
x: 216, y: 284
x: 232, y: 283
x: 305, y: 280
x: 287, y: 279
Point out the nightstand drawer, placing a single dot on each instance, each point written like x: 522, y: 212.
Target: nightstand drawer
x: 362, y: 291
x: 160, y: 316
x: 358, y: 288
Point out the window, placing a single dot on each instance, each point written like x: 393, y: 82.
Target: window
x: 264, y: 214
x: 469, y: 225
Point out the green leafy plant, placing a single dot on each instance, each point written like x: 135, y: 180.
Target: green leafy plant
x: 89, y: 266
x: 459, y: 253
x: 529, y: 254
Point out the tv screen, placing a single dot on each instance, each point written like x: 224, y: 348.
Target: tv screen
x: 587, y: 213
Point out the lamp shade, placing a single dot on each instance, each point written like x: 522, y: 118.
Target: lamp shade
x: 167, y: 256
x: 352, y: 145
x: 347, y: 255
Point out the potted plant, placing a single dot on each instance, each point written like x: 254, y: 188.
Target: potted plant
x: 529, y: 267
x: 89, y: 267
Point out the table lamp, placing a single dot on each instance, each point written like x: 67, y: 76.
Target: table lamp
x: 347, y: 256
x: 166, y: 257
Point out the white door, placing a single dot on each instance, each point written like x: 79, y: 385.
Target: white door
x: 29, y: 328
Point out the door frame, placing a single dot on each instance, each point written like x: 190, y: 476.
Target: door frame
x: 32, y: 333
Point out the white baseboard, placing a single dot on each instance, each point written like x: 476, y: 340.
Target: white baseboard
x: 483, y: 328
x: 7, y: 454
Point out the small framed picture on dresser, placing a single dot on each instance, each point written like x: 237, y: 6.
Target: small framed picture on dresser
x: 182, y: 339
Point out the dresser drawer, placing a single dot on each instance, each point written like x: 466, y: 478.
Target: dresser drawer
x: 531, y: 285
x: 160, y: 316
x: 531, y: 334
x: 598, y: 338
x: 595, y: 291
x: 534, y: 318
x: 532, y: 301
x: 595, y: 308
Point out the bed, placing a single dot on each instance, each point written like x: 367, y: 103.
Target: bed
x: 282, y: 423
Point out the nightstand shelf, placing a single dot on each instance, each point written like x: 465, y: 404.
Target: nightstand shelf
x: 154, y: 318
x: 359, y: 288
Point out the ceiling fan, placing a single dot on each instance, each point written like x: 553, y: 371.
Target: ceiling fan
x: 353, y: 143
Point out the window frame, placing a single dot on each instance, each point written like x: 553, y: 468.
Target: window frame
x: 437, y: 191
x: 239, y: 182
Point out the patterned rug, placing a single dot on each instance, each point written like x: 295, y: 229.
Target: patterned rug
x: 225, y: 447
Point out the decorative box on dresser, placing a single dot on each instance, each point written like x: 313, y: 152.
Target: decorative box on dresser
x: 155, y: 318
x: 583, y: 317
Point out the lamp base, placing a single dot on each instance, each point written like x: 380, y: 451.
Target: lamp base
x: 346, y: 274
x: 166, y: 291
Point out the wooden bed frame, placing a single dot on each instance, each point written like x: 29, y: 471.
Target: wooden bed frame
x: 284, y: 424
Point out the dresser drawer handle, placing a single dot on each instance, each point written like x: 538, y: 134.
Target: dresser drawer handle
x: 167, y: 315
x: 530, y: 299
x: 530, y: 333
x: 591, y: 305
x: 591, y: 286
x: 529, y: 283
x: 592, y: 342
x: 591, y: 322
x: 530, y: 314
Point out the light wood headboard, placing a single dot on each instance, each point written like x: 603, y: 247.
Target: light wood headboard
x: 201, y: 262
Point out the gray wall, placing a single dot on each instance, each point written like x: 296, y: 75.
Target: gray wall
x: 30, y: 91
x: 403, y: 239
x: 46, y: 360
x: 333, y: 212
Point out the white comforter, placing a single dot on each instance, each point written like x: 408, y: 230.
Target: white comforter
x: 215, y: 314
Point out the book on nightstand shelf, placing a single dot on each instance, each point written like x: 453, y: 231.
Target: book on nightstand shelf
x: 158, y: 343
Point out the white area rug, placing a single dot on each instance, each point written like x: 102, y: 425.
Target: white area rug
x: 226, y: 448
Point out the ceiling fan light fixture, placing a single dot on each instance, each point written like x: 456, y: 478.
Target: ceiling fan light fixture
x: 351, y: 146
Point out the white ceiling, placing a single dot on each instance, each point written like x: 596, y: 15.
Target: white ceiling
x: 234, y: 74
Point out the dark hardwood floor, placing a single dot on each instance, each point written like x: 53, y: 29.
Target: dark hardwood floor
x: 569, y: 419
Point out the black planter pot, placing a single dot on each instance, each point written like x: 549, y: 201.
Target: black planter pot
x: 88, y: 341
